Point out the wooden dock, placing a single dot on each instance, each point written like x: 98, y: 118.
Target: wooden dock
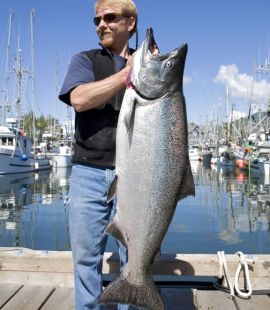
x: 33, y: 280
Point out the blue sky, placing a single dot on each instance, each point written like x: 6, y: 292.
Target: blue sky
x: 225, y: 39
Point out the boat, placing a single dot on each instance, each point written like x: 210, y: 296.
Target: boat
x: 58, y: 146
x: 16, y: 152
x: 242, y: 157
x: 206, y: 156
x: 223, y: 160
x: 61, y: 156
x: 260, y: 160
x: 57, y: 149
x: 261, y: 165
x: 223, y: 157
x: 194, y: 153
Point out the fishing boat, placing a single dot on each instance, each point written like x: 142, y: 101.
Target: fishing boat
x: 260, y: 161
x: 223, y: 157
x: 61, y: 156
x: 57, y: 142
x: 223, y: 160
x: 16, y: 152
x: 261, y: 165
x: 194, y: 153
x: 242, y: 156
x: 206, y: 156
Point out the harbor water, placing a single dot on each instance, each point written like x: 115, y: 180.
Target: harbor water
x: 230, y: 212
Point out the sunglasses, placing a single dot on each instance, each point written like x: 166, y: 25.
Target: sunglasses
x: 108, y: 18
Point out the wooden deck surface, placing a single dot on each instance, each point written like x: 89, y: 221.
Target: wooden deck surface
x: 42, y: 280
x: 33, y: 297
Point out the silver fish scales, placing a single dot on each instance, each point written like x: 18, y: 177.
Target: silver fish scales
x: 152, y: 167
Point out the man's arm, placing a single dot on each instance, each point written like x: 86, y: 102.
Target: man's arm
x: 91, y: 95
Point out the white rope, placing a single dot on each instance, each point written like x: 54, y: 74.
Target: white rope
x: 223, y: 266
x: 243, y: 263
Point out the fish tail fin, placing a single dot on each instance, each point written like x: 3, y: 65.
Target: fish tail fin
x: 121, y: 291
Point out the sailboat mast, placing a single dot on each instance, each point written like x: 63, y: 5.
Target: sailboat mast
x: 263, y: 71
x: 228, y: 114
x: 18, y: 72
x: 6, y: 77
x: 57, y: 88
x: 32, y: 15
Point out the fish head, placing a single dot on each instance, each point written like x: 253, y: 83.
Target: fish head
x: 155, y: 75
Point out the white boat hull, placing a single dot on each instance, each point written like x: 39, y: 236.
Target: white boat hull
x: 61, y: 156
x: 221, y: 161
x: 60, y: 161
x: 194, y: 154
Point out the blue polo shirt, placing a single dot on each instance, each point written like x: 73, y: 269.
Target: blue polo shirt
x: 80, y: 71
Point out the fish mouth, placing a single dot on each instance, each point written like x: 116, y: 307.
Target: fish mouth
x: 150, y: 44
x: 150, y: 48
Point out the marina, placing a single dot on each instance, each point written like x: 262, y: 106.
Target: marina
x: 24, y: 147
x: 229, y: 213
x: 216, y: 252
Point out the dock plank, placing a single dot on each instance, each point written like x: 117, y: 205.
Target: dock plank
x: 217, y: 300
x: 177, y: 298
x: 61, y: 299
x: 7, y: 291
x: 24, y: 260
x: 29, y: 298
x: 31, y: 280
x: 48, y: 298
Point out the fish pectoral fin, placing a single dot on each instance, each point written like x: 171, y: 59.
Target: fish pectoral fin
x: 114, y: 228
x: 129, y: 118
x: 123, y: 291
x: 112, y: 190
x: 187, y: 187
x: 157, y: 256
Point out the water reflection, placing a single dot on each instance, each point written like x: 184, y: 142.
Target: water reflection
x: 230, y: 212
x: 33, y: 210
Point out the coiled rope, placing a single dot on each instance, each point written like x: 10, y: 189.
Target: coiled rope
x: 243, y: 264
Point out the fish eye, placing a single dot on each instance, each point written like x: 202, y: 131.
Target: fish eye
x: 168, y: 64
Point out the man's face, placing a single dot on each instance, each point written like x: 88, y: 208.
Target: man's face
x: 112, y: 27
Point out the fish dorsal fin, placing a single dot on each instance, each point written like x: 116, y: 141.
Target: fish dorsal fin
x: 112, y: 190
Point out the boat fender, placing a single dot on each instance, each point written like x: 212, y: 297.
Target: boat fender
x: 24, y: 157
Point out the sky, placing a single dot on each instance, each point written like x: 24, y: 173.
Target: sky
x: 227, y: 39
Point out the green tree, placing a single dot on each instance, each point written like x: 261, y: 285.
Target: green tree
x: 42, y: 124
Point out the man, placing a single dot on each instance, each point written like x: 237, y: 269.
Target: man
x: 94, y: 86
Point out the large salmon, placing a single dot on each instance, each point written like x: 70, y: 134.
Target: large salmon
x: 152, y: 167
